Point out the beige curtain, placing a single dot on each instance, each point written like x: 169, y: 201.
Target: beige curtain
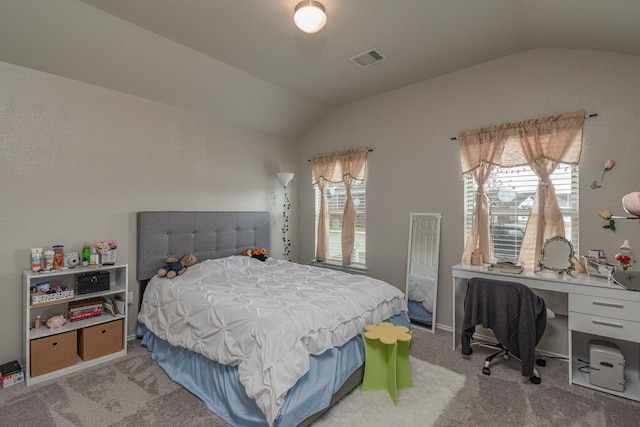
x: 480, y: 149
x: 544, y: 143
x: 540, y: 143
x: 344, y: 166
x: 323, y: 223
x: 348, y: 222
x: 480, y: 236
x: 545, y: 218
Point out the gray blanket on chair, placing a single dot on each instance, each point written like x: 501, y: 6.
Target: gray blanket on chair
x: 512, y: 311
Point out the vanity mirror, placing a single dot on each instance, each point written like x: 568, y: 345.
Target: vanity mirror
x: 422, y: 268
x: 557, y: 255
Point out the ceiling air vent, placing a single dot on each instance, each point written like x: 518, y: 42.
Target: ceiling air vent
x: 368, y: 58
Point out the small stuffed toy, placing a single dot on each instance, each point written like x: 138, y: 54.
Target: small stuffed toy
x: 175, y: 267
x: 257, y: 253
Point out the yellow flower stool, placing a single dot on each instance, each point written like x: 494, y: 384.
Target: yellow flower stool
x: 386, y: 352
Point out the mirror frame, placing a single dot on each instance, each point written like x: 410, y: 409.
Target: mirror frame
x: 566, y: 268
x: 412, y: 217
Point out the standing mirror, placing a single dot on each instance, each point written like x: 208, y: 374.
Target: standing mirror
x: 557, y: 255
x: 422, y: 268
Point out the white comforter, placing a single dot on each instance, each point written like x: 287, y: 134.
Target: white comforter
x: 266, y: 318
x: 421, y: 290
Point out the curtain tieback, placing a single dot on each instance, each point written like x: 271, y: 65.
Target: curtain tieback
x: 480, y: 190
x: 544, y: 182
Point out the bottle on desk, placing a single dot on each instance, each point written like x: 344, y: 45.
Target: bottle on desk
x: 476, y: 257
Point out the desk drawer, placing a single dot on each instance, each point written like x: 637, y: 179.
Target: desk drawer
x: 607, y: 307
x: 605, y: 326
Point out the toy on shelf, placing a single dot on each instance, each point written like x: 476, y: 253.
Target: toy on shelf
x: 56, y: 322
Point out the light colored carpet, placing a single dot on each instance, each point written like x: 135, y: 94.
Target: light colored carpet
x: 134, y: 391
x: 434, y: 387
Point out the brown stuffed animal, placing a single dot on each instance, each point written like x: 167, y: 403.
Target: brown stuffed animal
x: 175, y: 268
x: 258, y: 253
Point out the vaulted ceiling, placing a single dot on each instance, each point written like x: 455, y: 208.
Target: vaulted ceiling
x: 273, y: 63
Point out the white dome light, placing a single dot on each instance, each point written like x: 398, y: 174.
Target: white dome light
x: 310, y: 16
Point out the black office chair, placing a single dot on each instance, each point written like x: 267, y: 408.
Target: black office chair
x: 515, y: 314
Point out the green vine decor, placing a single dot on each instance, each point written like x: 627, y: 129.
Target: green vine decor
x: 285, y: 227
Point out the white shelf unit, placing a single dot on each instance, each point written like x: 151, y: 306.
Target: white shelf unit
x: 118, y: 285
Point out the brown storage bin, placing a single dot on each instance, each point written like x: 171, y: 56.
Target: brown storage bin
x: 52, y: 353
x: 100, y: 340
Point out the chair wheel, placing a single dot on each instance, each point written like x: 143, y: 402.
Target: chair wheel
x: 535, y: 380
x: 541, y: 362
x: 486, y: 371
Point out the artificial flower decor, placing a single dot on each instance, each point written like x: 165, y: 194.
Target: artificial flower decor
x: 607, y: 215
x: 624, y: 261
x: 107, y: 251
x: 608, y: 165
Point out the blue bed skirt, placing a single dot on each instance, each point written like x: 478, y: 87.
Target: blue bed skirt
x: 219, y: 387
x: 417, y: 312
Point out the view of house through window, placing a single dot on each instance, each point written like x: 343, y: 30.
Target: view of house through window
x: 510, y: 193
x: 336, y: 198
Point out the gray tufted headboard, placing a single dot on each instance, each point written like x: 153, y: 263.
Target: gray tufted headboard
x: 207, y: 235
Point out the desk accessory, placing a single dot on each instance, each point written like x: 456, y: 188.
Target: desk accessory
x: 557, y: 255
x: 507, y: 266
x: 593, y: 267
x: 629, y: 280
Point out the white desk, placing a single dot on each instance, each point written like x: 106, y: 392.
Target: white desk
x: 597, y: 310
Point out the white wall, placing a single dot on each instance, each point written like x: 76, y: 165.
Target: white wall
x: 415, y: 167
x: 78, y: 161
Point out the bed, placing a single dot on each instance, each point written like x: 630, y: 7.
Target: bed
x: 420, y: 295
x: 278, y: 357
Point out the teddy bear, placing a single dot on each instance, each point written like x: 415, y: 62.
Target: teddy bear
x: 175, y: 267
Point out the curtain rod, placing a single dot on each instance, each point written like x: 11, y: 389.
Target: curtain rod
x: 586, y: 116
x: 369, y: 150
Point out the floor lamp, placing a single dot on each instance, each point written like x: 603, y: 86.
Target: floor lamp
x: 284, y: 178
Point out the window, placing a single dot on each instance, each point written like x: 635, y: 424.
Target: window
x: 510, y: 192
x: 336, y: 198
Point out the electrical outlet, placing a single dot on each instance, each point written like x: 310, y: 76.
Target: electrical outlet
x: 129, y: 298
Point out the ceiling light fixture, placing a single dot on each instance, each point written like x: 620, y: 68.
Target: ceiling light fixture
x: 309, y: 16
